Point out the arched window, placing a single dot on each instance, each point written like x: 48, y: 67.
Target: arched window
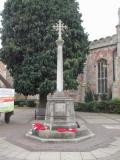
x: 102, y: 76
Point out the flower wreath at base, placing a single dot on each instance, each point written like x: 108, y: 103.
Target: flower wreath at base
x: 37, y: 127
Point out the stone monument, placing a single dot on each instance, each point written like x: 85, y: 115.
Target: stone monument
x: 59, y: 108
x: 60, y: 123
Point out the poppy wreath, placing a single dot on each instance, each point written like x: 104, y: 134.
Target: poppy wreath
x: 39, y: 126
x: 66, y: 130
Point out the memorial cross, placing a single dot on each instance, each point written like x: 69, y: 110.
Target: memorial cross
x: 60, y: 27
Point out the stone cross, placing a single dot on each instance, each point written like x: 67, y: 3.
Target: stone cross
x: 59, y: 27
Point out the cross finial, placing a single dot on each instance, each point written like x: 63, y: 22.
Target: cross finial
x: 59, y: 27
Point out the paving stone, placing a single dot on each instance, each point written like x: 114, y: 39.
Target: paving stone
x: 114, y: 148
x: 94, y: 117
x: 87, y: 156
x: 5, y: 158
x: 22, y: 155
x: 2, y: 158
x: 104, y: 138
x: 13, y: 155
x: 2, y: 140
x: 5, y: 152
x: 118, y: 119
x: 71, y: 156
x: 109, y: 150
x: 99, y: 154
x: 101, y: 121
x: 50, y: 156
x: 33, y: 156
x: 116, y: 143
x: 5, y: 144
x: 112, y: 126
x: 112, y: 157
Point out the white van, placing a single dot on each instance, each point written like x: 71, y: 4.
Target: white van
x: 7, y: 102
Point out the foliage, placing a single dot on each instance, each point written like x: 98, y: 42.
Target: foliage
x: 28, y: 43
x: 111, y: 106
x: 103, y: 96
x: 96, y: 97
x: 88, y: 96
x: 23, y: 102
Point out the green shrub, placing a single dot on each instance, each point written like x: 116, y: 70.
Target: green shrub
x: 116, y: 110
x: 30, y: 103
x: 96, y: 97
x: 17, y: 102
x: 112, y: 106
x: 23, y: 102
x: 89, y: 107
x: 79, y: 106
x: 103, y: 97
x: 116, y: 101
x: 88, y: 96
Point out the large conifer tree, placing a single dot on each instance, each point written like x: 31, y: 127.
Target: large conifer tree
x: 29, y: 48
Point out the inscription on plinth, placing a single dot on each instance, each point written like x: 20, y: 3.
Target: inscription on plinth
x: 60, y: 112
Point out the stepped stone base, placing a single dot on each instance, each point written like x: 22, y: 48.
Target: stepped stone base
x: 60, y: 111
x: 49, y: 136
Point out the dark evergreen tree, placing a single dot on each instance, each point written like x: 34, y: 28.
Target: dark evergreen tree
x: 29, y: 48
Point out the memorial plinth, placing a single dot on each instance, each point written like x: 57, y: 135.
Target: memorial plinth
x: 60, y: 109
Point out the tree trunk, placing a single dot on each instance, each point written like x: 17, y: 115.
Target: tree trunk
x: 40, y: 109
x: 42, y: 100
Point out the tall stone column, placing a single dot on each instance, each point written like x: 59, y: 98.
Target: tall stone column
x: 116, y: 84
x: 60, y: 43
x: 60, y: 28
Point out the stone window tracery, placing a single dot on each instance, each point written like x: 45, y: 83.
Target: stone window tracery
x: 102, y: 76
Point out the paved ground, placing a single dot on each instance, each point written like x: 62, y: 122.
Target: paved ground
x: 105, y: 145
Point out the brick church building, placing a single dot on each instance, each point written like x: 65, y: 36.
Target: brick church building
x: 101, y: 70
x: 102, y: 67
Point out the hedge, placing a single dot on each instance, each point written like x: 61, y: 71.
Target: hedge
x: 23, y: 102
x: 111, y: 106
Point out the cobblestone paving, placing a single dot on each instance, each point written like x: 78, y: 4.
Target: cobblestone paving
x: 105, y: 145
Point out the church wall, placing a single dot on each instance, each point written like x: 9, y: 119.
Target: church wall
x: 92, y: 69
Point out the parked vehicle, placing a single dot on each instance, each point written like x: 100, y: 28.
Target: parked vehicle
x: 7, y: 103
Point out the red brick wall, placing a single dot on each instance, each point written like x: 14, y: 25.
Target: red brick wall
x: 92, y: 59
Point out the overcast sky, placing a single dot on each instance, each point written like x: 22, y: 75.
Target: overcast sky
x: 99, y: 17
